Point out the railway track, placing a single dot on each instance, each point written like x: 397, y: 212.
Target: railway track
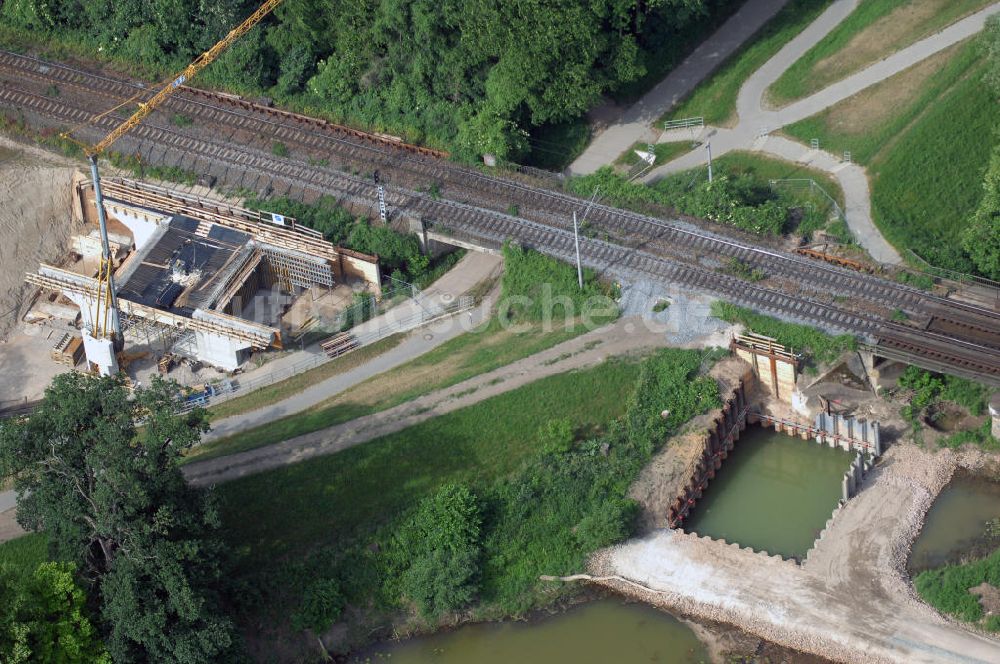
x: 639, y: 240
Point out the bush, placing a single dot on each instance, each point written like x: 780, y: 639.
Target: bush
x: 556, y: 437
x: 395, y: 250
x: 321, y: 605
x: 740, y: 201
x: 437, y: 551
x: 536, y: 287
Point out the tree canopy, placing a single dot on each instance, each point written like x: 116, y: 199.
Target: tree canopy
x: 981, y: 239
x: 473, y: 75
x: 108, y: 492
x: 44, y: 619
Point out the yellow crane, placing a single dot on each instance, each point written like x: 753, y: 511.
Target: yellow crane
x: 107, y: 297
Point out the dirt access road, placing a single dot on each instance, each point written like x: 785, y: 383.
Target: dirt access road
x: 850, y: 600
x: 625, y: 336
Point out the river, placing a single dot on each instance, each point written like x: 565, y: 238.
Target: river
x: 955, y: 525
x: 598, y: 632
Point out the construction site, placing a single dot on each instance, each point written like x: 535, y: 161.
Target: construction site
x: 205, y: 289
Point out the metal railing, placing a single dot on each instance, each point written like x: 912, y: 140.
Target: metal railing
x: 684, y: 123
x: 814, y: 188
x: 945, y: 273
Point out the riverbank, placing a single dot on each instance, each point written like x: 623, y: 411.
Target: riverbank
x: 852, y: 600
x: 584, y: 626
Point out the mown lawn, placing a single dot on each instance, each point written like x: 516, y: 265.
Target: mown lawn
x: 927, y: 186
x: 337, y: 497
x: 715, y: 99
x: 926, y: 154
x: 875, y: 30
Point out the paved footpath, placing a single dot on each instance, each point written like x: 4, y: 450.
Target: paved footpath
x: 624, y: 336
x: 470, y: 271
x: 756, y: 122
x: 636, y: 123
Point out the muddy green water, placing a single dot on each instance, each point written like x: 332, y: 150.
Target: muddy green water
x: 600, y: 632
x: 955, y: 525
x: 774, y: 493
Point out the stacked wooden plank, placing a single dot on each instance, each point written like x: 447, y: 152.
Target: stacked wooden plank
x: 339, y: 344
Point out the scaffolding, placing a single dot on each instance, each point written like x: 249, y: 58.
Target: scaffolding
x: 294, y: 268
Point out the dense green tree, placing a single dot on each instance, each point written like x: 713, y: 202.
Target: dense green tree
x: 110, y: 496
x: 981, y: 237
x: 44, y: 619
x: 474, y: 75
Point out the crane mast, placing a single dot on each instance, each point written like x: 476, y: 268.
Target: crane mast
x: 106, y: 308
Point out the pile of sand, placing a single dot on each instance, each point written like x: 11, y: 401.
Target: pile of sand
x: 35, y: 222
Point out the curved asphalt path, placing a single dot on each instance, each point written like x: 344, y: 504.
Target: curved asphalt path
x: 756, y: 122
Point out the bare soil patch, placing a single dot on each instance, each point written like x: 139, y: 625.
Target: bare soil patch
x: 35, y: 222
x: 899, y: 28
x: 879, y: 103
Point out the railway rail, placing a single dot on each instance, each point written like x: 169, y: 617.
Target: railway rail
x: 958, y: 334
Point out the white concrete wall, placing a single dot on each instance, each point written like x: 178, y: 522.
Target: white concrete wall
x: 219, y: 351
x: 142, y: 223
x: 102, y: 353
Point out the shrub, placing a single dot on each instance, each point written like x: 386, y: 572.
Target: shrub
x: 437, y: 551
x: 556, y: 436
x: 279, y: 149
x: 321, y: 605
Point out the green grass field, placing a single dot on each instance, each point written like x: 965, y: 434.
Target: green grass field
x: 22, y: 555
x: 947, y: 588
x: 950, y: 119
x: 452, y: 362
x: 715, y: 99
x: 338, y: 497
x: 835, y: 56
x: 927, y: 186
x: 819, y: 346
x: 664, y: 152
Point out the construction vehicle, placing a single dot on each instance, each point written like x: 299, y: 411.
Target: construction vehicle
x: 107, y: 328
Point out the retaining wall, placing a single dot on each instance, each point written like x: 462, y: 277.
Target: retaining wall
x: 720, y: 440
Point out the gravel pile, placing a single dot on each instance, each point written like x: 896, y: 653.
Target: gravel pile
x: 858, y: 580
x: 686, y: 320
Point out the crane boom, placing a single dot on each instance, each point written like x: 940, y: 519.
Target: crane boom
x: 189, y: 72
x: 106, y: 313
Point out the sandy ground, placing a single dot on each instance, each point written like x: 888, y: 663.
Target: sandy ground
x: 851, y: 600
x: 35, y: 221
x: 35, y: 225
